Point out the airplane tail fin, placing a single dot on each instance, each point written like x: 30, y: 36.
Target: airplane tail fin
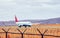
x: 16, y: 20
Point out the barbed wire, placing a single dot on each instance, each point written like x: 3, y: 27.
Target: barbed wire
x: 23, y: 33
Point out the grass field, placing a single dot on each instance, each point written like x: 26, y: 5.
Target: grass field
x: 35, y: 31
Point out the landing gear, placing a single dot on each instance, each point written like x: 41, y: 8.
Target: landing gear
x: 19, y: 26
x: 29, y: 25
x: 25, y: 26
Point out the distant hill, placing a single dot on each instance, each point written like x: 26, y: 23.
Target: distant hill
x: 50, y: 21
x: 4, y: 23
x: 47, y: 21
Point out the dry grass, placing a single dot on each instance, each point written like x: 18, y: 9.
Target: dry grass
x: 52, y: 29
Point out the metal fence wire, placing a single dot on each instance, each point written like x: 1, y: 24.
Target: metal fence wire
x: 21, y: 34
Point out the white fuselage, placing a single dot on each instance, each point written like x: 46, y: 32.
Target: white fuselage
x: 23, y: 23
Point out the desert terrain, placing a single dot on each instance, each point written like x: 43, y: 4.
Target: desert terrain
x: 35, y: 31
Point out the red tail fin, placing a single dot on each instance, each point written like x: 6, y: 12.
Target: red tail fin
x: 16, y: 20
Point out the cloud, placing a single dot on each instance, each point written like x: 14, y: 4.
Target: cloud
x: 6, y: 0
x: 30, y: 9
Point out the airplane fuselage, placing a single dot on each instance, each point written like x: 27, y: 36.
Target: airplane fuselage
x: 23, y: 24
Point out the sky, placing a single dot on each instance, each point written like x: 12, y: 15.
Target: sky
x: 29, y: 9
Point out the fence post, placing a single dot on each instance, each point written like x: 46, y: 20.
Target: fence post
x: 22, y: 35
x: 42, y: 34
x: 6, y: 32
x: 22, y: 32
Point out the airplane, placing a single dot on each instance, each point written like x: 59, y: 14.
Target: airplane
x: 23, y: 23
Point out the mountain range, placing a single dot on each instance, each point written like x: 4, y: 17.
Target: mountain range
x: 47, y: 21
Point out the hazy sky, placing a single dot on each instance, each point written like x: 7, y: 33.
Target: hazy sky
x: 29, y: 9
